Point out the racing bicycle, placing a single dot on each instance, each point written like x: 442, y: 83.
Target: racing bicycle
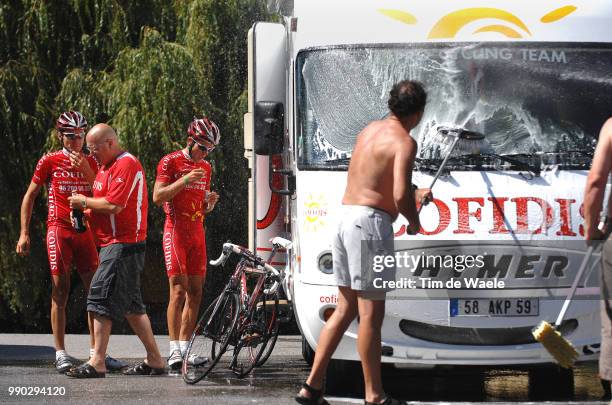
x: 238, y: 321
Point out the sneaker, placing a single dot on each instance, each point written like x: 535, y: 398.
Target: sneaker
x: 197, y: 361
x: 113, y: 364
x: 175, y: 361
x: 65, y: 362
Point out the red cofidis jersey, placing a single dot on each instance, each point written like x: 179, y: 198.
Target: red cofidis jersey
x: 188, y: 205
x: 55, y: 170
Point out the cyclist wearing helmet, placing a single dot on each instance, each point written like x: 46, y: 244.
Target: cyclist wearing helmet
x: 64, y: 172
x: 183, y: 187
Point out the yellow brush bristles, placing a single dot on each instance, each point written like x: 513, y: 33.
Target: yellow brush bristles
x: 559, y: 347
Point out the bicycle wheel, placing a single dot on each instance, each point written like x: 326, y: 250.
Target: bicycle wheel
x: 210, y: 336
x: 272, y: 330
x: 253, y: 337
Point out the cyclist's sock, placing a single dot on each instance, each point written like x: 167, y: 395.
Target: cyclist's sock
x: 174, y: 345
x: 183, y: 346
x: 60, y: 353
x: 92, y: 351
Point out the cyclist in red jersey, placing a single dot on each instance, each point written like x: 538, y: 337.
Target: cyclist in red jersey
x: 183, y: 186
x: 64, y: 172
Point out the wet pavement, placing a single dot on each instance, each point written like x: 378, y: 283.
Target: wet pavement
x: 278, y: 380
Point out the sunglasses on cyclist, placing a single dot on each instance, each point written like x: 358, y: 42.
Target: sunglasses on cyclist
x: 204, y: 147
x: 74, y: 135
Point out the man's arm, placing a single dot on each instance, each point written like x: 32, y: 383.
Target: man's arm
x: 23, y: 245
x: 163, y: 191
x: 403, y: 193
x: 596, y: 182
x: 101, y: 205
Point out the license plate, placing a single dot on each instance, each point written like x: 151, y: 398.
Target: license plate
x: 494, y: 307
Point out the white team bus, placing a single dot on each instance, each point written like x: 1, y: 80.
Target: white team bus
x: 533, y: 77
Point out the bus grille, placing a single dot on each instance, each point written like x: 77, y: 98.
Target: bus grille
x: 476, y: 336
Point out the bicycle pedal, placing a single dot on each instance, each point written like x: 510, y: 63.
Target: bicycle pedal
x: 251, y: 341
x: 269, y: 305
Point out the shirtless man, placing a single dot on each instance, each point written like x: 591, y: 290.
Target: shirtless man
x: 379, y: 188
x: 593, y: 203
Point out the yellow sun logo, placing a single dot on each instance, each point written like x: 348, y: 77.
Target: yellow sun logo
x: 196, y: 214
x: 449, y: 26
x: 315, y: 212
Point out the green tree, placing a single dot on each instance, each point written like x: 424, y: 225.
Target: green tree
x: 216, y: 32
x: 23, y: 133
x: 151, y: 96
x: 144, y: 66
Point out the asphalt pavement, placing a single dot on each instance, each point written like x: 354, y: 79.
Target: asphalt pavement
x: 28, y: 376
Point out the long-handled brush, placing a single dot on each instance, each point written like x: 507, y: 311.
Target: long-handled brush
x: 439, y: 139
x: 550, y: 337
x: 457, y: 140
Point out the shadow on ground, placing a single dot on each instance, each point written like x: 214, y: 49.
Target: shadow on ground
x: 10, y: 354
x: 545, y: 383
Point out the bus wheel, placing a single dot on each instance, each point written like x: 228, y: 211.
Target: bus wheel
x: 307, y: 352
x: 551, y: 382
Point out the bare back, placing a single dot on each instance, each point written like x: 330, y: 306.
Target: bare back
x: 379, y: 175
x: 597, y: 179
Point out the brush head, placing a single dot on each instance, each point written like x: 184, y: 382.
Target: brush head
x: 438, y: 144
x: 560, y: 348
x: 461, y: 133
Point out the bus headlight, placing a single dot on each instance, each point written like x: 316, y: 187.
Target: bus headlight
x: 325, y: 262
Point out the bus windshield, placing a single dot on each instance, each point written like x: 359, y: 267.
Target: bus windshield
x: 539, y: 103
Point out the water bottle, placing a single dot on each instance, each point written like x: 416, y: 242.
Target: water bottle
x: 78, y: 221
x: 206, y: 197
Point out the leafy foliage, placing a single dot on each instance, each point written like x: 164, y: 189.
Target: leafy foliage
x: 151, y: 98
x: 25, y: 116
x: 144, y: 66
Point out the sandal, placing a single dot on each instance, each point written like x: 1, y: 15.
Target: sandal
x: 316, y: 396
x: 387, y: 401
x: 85, y: 370
x: 143, y: 368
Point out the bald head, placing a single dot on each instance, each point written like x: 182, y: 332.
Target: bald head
x: 101, y: 132
x: 103, y: 143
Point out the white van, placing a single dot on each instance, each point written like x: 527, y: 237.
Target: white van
x: 533, y: 77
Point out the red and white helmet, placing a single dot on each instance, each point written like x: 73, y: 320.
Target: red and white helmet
x: 203, y: 129
x: 71, y: 121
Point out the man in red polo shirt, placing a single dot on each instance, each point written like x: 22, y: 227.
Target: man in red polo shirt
x: 64, y: 172
x: 119, y: 220
x: 183, y: 186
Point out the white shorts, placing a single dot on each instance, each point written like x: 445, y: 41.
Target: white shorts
x: 363, y: 233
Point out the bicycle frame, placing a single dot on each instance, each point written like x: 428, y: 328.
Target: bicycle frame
x: 248, y: 301
x: 244, y: 331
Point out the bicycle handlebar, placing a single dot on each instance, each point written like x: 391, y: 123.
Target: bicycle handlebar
x: 229, y: 248
x: 276, y: 274
x: 225, y: 253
